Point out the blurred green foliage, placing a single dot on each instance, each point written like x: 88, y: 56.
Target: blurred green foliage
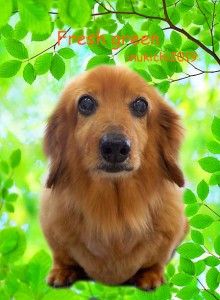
x: 31, y: 55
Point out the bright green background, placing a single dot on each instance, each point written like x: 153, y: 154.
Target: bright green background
x: 25, y: 108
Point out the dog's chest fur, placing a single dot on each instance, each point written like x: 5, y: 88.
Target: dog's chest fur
x: 114, y: 219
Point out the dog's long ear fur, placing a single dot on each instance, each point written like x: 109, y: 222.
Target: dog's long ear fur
x: 54, y: 145
x: 171, y: 135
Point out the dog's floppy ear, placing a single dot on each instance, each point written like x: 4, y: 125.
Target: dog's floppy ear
x: 54, y: 145
x: 171, y: 135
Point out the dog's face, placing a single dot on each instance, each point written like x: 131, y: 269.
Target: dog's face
x: 110, y: 121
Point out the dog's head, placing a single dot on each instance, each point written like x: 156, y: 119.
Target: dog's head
x: 109, y: 122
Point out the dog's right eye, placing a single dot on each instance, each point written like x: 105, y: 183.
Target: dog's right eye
x: 87, y: 105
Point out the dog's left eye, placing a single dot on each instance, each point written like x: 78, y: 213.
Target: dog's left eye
x: 87, y: 105
x: 139, y: 107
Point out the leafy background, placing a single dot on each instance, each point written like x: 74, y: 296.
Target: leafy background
x: 33, y: 70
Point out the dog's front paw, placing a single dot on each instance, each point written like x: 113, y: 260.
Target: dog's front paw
x: 148, y: 279
x: 61, y: 277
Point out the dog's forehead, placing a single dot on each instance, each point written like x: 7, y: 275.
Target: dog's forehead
x: 112, y: 82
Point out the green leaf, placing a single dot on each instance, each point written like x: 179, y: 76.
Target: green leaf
x: 4, y: 167
x: 173, y: 15
x: 100, y: 49
x: 202, y: 190
x: 38, y: 37
x: 8, y: 183
x: 197, y: 237
x: 216, y: 128
x: 217, y: 245
x: 131, y: 50
x: 12, y: 197
x: 192, y: 209
x: 144, y: 74
x: 19, y: 249
x: 66, y: 53
x: 208, y: 295
x: 212, y: 261
x: 188, y: 292
x: 97, y: 60
x: 157, y: 71
x: 212, y: 278
x: 194, y: 30
x: 215, y: 179
x: 42, y: 63
x: 126, y: 30
x: 190, y: 250
x: 8, y: 239
x: 10, y: 68
x: 188, y: 2
x: 81, y: 286
x: 16, y: 48
x: 170, y: 270
x: 181, y: 279
x: 189, y: 46
x: 175, y: 39
x: 60, y: 295
x: 199, y: 267
x: 149, y: 50
x: 163, y: 86
x: 214, y: 147
x: 37, y: 270
x: 163, y: 292
x: 20, y: 31
x: 4, y: 193
x: 74, y: 13
x: 5, y: 12
x: 189, y: 197
x: 157, y: 32
x: 57, y: 67
x: 201, y: 221
x: 9, y: 207
x: 34, y: 14
x: 187, y: 266
x: 29, y: 73
x: 15, y: 158
x: 210, y: 164
x: 7, y: 31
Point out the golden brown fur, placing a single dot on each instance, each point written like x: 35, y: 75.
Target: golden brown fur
x: 121, y: 227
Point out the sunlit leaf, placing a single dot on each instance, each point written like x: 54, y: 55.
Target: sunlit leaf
x: 190, y: 250
x: 35, y: 15
x: 189, y: 197
x: 201, y: 221
x: 5, y: 11
x: 210, y: 164
x: 15, y: 158
x: 29, y: 73
x: 42, y: 63
x: 57, y: 67
x: 66, y: 53
x: 75, y: 13
x: 202, y: 190
x: 212, y: 278
x: 181, y: 279
x: 197, y: 237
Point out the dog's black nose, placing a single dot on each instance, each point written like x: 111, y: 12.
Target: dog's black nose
x: 114, y: 147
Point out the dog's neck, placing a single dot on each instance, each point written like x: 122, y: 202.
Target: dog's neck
x: 116, y: 207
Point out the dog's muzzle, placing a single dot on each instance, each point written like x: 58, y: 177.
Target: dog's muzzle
x: 114, y: 148
x: 114, y: 151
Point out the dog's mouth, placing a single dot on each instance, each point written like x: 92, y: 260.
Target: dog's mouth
x: 115, y: 168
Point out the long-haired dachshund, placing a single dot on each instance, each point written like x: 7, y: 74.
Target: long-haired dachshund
x: 112, y: 209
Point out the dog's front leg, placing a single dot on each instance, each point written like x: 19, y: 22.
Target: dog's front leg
x: 64, y: 272
x: 148, y: 278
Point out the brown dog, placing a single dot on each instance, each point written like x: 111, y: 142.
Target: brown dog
x: 112, y: 210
